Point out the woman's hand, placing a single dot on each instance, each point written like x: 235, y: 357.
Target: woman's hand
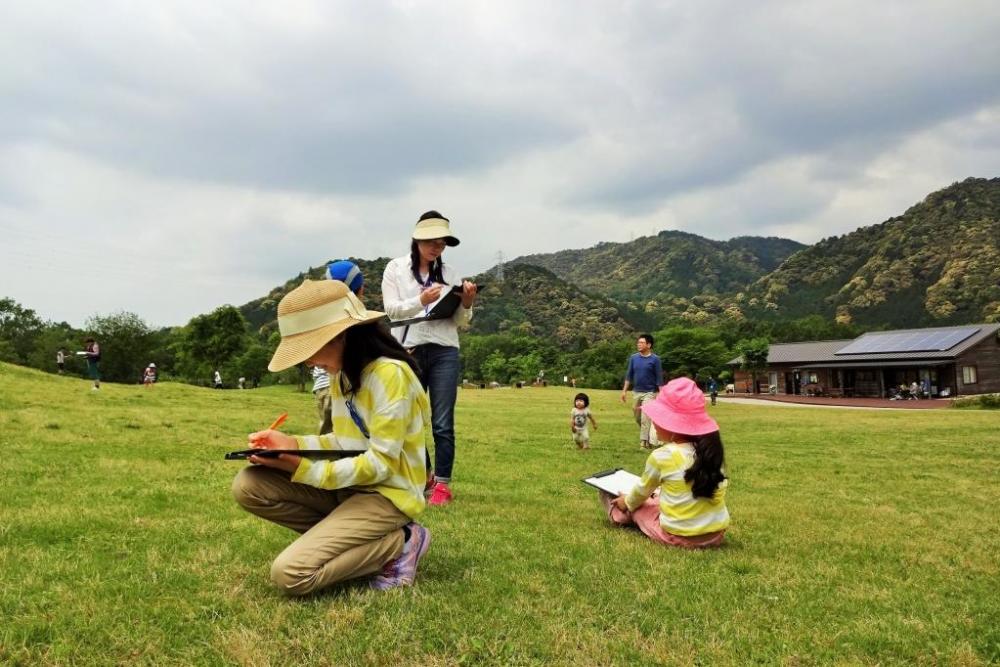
x: 271, y: 439
x: 619, y: 502
x: 431, y: 294
x: 469, y: 291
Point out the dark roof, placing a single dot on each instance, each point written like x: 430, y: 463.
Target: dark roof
x: 791, y: 353
x: 824, y: 351
x: 985, y: 331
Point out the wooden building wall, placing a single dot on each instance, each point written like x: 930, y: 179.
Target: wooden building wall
x: 986, y: 358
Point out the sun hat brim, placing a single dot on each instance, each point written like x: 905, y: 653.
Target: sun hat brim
x: 434, y: 228
x: 297, y: 348
x: 449, y: 241
x: 675, y: 421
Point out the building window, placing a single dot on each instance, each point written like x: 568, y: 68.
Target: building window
x: 813, y: 378
x: 968, y: 375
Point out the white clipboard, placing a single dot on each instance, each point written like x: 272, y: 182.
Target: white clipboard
x: 617, y: 482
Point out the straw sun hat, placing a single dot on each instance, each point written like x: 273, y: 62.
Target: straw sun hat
x: 313, y: 314
x: 434, y: 228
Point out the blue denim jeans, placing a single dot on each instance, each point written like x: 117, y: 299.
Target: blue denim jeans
x: 439, y: 368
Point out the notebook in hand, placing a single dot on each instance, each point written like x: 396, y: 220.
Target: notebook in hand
x: 442, y: 309
x: 307, y: 453
x: 617, y: 482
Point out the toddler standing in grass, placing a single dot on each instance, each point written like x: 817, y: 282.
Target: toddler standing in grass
x: 578, y: 417
x: 684, y: 476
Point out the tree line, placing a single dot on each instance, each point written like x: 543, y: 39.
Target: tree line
x: 223, y: 340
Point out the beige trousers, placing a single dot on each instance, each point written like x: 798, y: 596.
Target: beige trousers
x: 647, y: 432
x: 345, y: 533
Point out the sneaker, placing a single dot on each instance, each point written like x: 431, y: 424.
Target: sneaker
x: 403, y: 570
x: 441, y: 494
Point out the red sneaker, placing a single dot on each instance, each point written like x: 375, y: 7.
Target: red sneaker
x: 441, y: 494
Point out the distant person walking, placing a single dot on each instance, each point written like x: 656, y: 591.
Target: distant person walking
x: 410, y: 285
x: 61, y: 360
x: 645, y: 375
x: 713, y: 389
x: 217, y: 380
x: 92, y: 351
x: 149, y: 376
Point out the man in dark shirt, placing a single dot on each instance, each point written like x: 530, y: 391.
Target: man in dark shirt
x: 645, y: 375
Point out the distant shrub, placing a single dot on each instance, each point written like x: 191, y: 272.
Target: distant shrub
x: 981, y: 402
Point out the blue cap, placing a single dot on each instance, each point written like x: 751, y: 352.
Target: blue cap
x: 346, y: 272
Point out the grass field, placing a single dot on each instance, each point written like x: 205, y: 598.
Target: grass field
x: 858, y: 537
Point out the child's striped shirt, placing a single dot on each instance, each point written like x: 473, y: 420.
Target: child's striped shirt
x: 681, y: 513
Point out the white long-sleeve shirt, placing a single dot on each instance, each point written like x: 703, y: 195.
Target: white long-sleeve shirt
x: 401, y: 298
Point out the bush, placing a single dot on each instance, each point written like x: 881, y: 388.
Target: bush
x: 981, y: 402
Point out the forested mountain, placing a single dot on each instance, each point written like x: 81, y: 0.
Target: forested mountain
x: 532, y: 301
x: 670, y: 275
x: 575, y: 312
x: 937, y: 263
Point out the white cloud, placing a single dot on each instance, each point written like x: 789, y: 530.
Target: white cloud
x: 166, y: 159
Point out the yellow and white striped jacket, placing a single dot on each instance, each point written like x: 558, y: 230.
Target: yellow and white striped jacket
x: 680, y: 512
x: 395, y: 409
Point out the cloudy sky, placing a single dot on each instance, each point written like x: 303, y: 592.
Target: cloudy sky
x: 168, y: 157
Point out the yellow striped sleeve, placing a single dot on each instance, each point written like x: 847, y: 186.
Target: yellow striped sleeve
x: 395, y: 410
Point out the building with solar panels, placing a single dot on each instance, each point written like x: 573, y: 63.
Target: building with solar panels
x: 943, y: 362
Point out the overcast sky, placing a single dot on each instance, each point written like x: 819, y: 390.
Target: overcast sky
x: 166, y: 158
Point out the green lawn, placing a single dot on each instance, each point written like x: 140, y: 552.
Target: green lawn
x: 858, y: 537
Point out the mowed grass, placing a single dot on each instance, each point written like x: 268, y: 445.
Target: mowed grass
x: 858, y: 537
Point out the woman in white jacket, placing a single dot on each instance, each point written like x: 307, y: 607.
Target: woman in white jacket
x: 410, y: 285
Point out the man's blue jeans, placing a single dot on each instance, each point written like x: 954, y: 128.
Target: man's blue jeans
x: 439, y: 368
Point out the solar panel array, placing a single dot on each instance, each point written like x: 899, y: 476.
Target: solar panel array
x: 925, y: 340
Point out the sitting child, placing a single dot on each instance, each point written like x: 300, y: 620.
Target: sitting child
x: 690, y: 509
x: 578, y: 417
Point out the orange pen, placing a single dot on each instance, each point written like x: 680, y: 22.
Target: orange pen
x: 275, y: 424
x: 278, y: 422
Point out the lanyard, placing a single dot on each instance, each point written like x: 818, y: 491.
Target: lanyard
x: 426, y: 285
x: 358, y: 421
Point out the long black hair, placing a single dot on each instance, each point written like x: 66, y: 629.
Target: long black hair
x: 437, y: 266
x: 705, y: 474
x: 364, y: 344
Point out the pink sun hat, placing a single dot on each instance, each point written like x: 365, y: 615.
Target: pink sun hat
x: 680, y: 408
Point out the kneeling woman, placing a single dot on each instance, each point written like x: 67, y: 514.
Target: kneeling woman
x: 688, y: 472
x: 355, y: 515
